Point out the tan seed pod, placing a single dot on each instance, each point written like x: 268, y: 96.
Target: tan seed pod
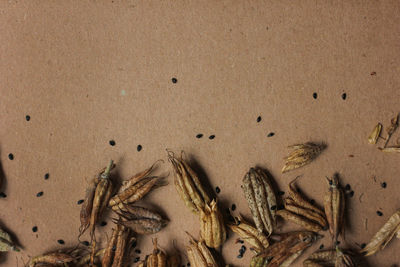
x: 301, y: 155
x: 321, y: 258
x: 376, y: 133
x: 288, y: 262
x: 157, y: 259
x: 300, y: 220
x: 384, y: 235
x: 343, y: 259
x: 199, y: 255
x: 306, y: 213
x: 111, y: 247
x: 212, y: 227
x: 85, y: 259
x: 334, y: 204
x: 121, y: 247
x: 188, y: 185
x: 250, y: 234
x: 53, y: 258
x: 261, y: 199
x: 394, y: 123
x: 390, y: 149
x: 6, y: 244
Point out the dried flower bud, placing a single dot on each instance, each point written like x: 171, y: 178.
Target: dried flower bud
x: 373, y: 137
x: 212, y: 227
x: 301, y: 155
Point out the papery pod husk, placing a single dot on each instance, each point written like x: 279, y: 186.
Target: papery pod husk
x: 157, y: 259
x: 390, y: 149
x: 299, y: 220
x: 212, y: 227
x: 321, y: 259
x: 199, y: 255
x: 288, y: 262
x: 249, y: 233
x: 384, y: 235
x: 334, y: 204
x: 261, y: 199
x: 376, y: 132
x: 53, y: 258
x: 84, y: 260
x: 343, y: 259
x: 121, y: 247
x: 394, y: 123
x: 6, y: 244
x: 258, y: 261
x: 301, y: 155
x: 311, y: 215
x: 188, y: 185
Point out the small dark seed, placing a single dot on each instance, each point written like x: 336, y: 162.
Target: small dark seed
x: 103, y: 223
x: 363, y: 245
x: 188, y: 264
x: 312, y: 201
x: 233, y: 207
x: 351, y: 194
x: 270, y: 134
x: 243, y: 248
x: 138, y: 251
x: 11, y: 156
x: 174, y: 80
x: 239, y: 256
x: 281, y: 193
x: 211, y: 137
x: 39, y: 194
x: 28, y: 118
x: 280, y: 207
x: 137, y: 259
x: 258, y: 118
x: 134, y: 244
x: 46, y: 176
x: 86, y: 243
x: 347, y: 187
x: 60, y: 241
x: 34, y: 229
x: 383, y: 185
x: 112, y: 143
x: 217, y: 190
x: 322, y: 246
x: 114, y: 248
x: 199, y: 136
x: 344, y: 95
x: 379, y: 213
x: 273, y: 207
x: 337, y: 243
x: 315, y: 95
x: 240, y: 241
x: 80, y: 201
x: 3, y: 195
x: 139, y: 148
x: 330, y: 182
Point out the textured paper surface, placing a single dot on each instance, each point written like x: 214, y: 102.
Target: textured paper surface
x: 87, y: 72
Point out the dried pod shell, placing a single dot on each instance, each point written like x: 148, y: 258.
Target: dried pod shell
x: 261, y: 199
x: 54, y: 258
x: 121, y: 247
x: 174, y: 260
x: 250, y: 234
x: 6, y: 244
x: 301, y: 155
x: 376, y: 132
x: 212, y: 227
x: 321, y: 258
x: 390, y: 149
x: 384, y: 235
x: 84, y: 260
x: 306, y: 213
x: 111, y: 247
x: 157, y: 259
x: 188, y: 185
x: 199, y: 255
x: 343, y: 259
x: 300, y: 220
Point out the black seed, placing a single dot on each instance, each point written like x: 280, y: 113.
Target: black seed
x: 174, y: 80
x: 112, y: 143
x: 312, y: 201
x: 217, y: 190
x: 322, y: 246
x: 315, y: 95
x: 351, y: 194
x: 139, y: 148
x: 137, y: 259
x: 239, y: 256
x: 86, y: 243
x: 46, y: 176
x: 11, y: 156
x: 240, y: 241
x: 281, y: 193
x: 114, y: 248
x: 103, y: 223
x: 211, y: 137
x: 3, y: 195
x: 337, y: 243
x: 379, y: 213
x: 138, y: 251
x: 258, y: 118
x: 60, y: 241
x: 39, y: 194
x: 80, y: 201
x: 28, y: 118
x: 199, y: 136
x: 243, y: 248
x: 273, y: 207
x: 330, y: 182
x: 34, y: 229
x: 134, y: 244
x: 280, y: 207
x: 383, y: 185
x: 344, y: 95
x: 270, y: 134
x: 233, y: 207
x: 347, y: 187
x: 363, y: 245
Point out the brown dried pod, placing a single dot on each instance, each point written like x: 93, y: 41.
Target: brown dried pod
x: 376, y: 133
x: 334, y: 204
x: 157, y: 259
x: 300, y: 220
x: 141, y: 220
x: 306, y: 213
x: 121, y: 247
x: 53, y: 258
x: 394, y: 123
x: 250, y: 234
x: 261, y: 199
x: 188, y: 185
x: 212, y: 227
x: 111, y: 247
x: 301, y: 155
x: 6, y: 244
x: 321, y: 258
x: 343, y: 259
x: 199, y: 255
x: 384, y: 235
x: 85, y: 259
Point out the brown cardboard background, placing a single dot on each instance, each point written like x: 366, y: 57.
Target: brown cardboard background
x: 65, y: 63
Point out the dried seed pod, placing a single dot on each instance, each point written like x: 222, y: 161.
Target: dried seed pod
x: 343, y: 259
x: 260, y: 198
x: 157, y: 259
x: 111, y: 247
x: 300, y: 220
x: 142, y: 220
x: 288, y: 262
x: 121, y: 247
x: 390, y: 149
x: 188, y: 185
x: 6, y: 244
x: 376, y: 133
x: 53, y: 258
x: 334, y: 204
x: 384, y: 235
x: 174, y: 260
x: 306, y: 213
x: 249, y: 234
x: 85, y: 259
x: 394, y: 123
x: 199, y: 255
x: 321, y: 258
x: 301, y: 155
x: 212, y: 227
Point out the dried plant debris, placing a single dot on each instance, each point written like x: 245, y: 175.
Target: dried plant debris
x: 393, y: 149
x: 384, y: 235
x: 84, y: 260
x: 334, y: 204
x: 300, y: 220
x: 6, y: 244
x: 376, y: 133
x: 212, y: 227
x: 343, y: 259
x: 250, y: 234
x: 157, y: 259
x: 334, y: 258
x: 261, y: 199
x: 136, y: 188
x: 301, y: 155
x: 53, y: 258
x: 199, y: 255
x: 188, y: 185
x: 141, y: 220
x: 394, y: 123
x: 174, y: 260
x: 282, y: 251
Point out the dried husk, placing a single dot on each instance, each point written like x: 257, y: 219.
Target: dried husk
x: 53, y: 258
x: 376, y: 133
x: 300, y: 220
x: 157, y: 259
x: 111, y: 248
x: 310, y: 215
x: 394, y: 123
x: 121, y: 247
x: 199, y: 255
x: 343, y: 259
x: 212, y: 227
x: 301, y: 155
x: 334, y: 204
x: 6, y: 244
x: 321, y: 258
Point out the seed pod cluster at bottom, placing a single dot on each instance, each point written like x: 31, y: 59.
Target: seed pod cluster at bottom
x: 199, y: 255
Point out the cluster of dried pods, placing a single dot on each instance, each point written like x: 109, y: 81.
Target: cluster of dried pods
x: 376, y: 134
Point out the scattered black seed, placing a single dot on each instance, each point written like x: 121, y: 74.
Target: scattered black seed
x: 199, y: 136
x: 315, y: 95
x: 86, y: 243
x: 344, y: 95
x: 211, y: 137
x: 337, y: 243
x: 312, y: 201
x: 46, y: 176
x: 139, y: 148
x: 379, y: 213
x: 28, y: 118
x: 112, y: 143
x: 174, y: 80
x: 258, y: 118
x: 330, y: 182
x: 280, y: 207
x: 243, y: 248
x: 322, y: 246
x: 11, y: 156
x: 103, y: 223
x: 383, y: 185
x: 3, y: 195
x: 347, y: 187
x: 114, y: 248
x: 34, y: 229
x: 137, y: 259
x: 39, y: 194
x: 60, y: 241
x: 217, y: 190
x: 281, y: 193
x: 273, y: 207
x: 233, y: 207
x: 134, y: 244
x: 239, y: 256
x: 271, y: 134
x: 80, y: 201
x: 138, y: 251
x: 351, y: 194
x: 240, y: 241
x: 363, y: 245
